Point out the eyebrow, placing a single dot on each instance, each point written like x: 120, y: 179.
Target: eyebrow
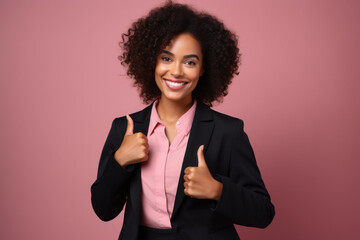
x: 186, y: 56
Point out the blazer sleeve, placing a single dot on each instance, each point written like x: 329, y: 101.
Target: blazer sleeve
x: 244, y: 198
x: 109, y: 191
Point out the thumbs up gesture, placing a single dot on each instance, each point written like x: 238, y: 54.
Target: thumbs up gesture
x: 134, y: 148
x: 199, y: 183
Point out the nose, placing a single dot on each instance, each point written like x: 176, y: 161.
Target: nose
x: 176, y: 69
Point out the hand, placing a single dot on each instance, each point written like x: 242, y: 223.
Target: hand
x: 134, y: 148
x: 199, y: 182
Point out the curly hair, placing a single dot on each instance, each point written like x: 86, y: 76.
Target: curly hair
x: 147, y: 36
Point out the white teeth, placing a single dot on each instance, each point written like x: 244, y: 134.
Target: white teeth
x: 175, y: 84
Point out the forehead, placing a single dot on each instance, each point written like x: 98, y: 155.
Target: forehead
x: 184, y: 44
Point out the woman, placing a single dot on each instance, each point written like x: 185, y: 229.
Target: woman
x: 183, y: 170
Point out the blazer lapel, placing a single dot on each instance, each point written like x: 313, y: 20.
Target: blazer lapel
x: 141, y: 124
x: 200, y: 134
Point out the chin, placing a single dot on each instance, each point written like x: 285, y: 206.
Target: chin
x: 175, y: 97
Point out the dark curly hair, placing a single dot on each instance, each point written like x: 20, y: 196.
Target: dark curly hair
x: 149, y: 35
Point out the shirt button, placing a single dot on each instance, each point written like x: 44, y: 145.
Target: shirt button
x: 177, y: 123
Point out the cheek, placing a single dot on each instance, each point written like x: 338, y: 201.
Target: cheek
x: 160, y: 69
x: 194, y: 75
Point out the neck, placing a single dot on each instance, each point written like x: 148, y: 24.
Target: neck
x: 171, y: 111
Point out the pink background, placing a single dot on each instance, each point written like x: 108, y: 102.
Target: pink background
x: 298, y: 93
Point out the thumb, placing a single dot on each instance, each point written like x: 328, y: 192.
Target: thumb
x: 130, y: 126
x: 201, y: 158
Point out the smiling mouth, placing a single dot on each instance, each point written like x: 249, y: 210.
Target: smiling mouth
x: 175, y: 85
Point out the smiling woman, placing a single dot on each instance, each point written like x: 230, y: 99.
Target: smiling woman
x: 178, y: 69
x: 149, y: 36
x: 183, y: 170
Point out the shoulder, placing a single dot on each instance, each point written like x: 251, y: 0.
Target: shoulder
x: 226, y: 121
x: 143, y: 114
x: 138, y: 116
x: 220, y: 120
x: 218, y: 116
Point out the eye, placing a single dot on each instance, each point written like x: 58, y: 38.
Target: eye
x: 165, y: 59
x: 191, y: 63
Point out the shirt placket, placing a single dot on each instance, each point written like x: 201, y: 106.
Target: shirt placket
x: 161, y: 176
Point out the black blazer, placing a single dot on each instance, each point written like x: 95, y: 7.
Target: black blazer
x: 230, y: 158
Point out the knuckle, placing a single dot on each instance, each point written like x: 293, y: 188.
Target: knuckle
x: 188, y: 192
x: 140, y: 140
x: 143, y: 159
x: 142, y: 155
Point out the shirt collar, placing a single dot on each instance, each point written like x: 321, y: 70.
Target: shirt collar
x: 185, y: 121
x: 182, y: 125
x: 154, y: 118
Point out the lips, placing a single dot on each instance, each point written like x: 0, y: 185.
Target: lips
x: 174, y: 85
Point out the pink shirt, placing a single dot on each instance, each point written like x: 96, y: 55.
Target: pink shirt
x: 160, y: 173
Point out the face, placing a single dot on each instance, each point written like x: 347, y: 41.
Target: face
x: 178, y: 68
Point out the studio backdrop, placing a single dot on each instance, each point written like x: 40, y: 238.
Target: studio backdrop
x: 61, y: 86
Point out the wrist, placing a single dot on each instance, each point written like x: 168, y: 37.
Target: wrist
x: 218, y: 186
x: 119, y: 159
